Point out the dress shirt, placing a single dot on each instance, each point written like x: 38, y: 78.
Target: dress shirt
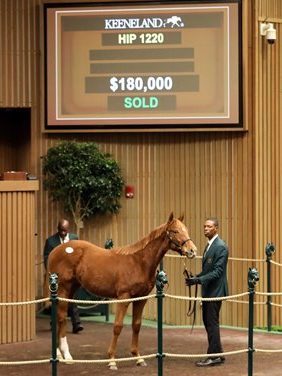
x: 65, y: 240
x: 209, y: 244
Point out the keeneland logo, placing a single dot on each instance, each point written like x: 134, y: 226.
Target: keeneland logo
x: 143, y: 23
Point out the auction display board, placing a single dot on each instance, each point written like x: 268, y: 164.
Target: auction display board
x: 150, y: 66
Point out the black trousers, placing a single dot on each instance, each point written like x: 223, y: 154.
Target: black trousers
x: 211, y: 321
x: 73, y: 314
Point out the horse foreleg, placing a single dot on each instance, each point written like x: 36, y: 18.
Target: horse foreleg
x: 63, y: 347
x: 138, y: 307
x: 118, y: 325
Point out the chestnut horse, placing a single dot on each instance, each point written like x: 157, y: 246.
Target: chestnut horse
x: 121, y: 273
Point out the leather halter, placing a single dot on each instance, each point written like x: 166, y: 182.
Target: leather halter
x: 178, y: 246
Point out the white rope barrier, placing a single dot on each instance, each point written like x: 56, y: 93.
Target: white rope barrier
x: 238, y: 301
x: 269, y: 293
x: 148, y: 356
x: 26, y: 302
x: 181, y: 257
x: 244, y: 259
x: 260, y: 303
x: 206, y: 299
x: 201, y: 355
x: 25, y: 362
x: 268, y: 350
x: 110, y: 301
x: 117, y: 360
x: 275, y: 263
x: 229, y: 258
x: 245, y: 302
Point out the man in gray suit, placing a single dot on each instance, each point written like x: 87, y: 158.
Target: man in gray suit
x: 63, y: 236
x: 214, y: 284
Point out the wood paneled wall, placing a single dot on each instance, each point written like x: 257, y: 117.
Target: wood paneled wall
x: 17, y: 271
x: 229, y: 174
x: 268, y: 137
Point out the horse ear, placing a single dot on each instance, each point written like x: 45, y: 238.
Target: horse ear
x: 181, y: 217
x: 170, y: 218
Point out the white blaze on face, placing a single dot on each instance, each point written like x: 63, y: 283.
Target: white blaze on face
x: 69, y: 250
x: 183, y: 228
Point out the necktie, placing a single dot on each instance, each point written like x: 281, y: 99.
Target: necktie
x: 206, y: 249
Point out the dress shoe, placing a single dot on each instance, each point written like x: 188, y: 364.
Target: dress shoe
x: 208, y: 362
x: 77, y: 328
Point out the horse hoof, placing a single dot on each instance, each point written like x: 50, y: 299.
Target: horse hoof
x: 68, y: 358
x: 113, y: 368
x: 112, y: 365
x: 59, y: 355
x: 68, y: 362
x: 141, y: 363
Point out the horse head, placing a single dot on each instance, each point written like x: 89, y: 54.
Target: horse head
x: 179, y: 237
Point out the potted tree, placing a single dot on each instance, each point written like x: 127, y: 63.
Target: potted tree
x: 84, y: 180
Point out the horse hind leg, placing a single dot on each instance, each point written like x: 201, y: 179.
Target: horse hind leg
x: 118, y: 325
x: 63, y: 347
x: 138, y: 307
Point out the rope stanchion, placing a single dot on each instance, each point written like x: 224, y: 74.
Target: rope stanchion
x: 253, y: 277
x: 53, y: 287
x: 269, y: 250
x: 161, y: 281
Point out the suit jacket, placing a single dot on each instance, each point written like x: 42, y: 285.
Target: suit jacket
x: 52, y: 242
x: 213, y: 275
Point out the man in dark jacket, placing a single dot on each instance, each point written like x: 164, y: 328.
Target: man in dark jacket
x: 63, y: 236
x: 214, y: 284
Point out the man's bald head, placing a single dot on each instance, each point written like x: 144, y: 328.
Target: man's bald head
x: 63, y: 227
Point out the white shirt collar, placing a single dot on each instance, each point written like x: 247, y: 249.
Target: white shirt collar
x: 66, y: 239
x: 212, y: 240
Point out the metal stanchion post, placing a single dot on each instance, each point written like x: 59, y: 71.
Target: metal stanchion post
x: 253, y: 277
x: 269, y: 250
x: 53, y: 286
x: 161, y: 280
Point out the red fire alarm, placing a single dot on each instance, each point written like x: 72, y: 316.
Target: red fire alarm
x: 129, y: 191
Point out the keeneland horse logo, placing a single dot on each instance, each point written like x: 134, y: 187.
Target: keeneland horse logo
x: 174, y: 21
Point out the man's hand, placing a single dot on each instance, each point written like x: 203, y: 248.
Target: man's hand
x: 192, y: 281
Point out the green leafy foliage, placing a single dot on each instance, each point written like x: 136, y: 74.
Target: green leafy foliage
x: 83, y: 179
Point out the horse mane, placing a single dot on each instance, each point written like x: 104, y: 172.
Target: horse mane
x: 141, y: 244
